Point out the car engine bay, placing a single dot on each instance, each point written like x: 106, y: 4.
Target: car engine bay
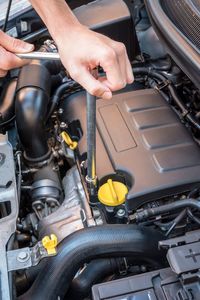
x: 136, y: 235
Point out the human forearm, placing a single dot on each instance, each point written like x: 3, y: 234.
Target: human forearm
x: 56, y: 15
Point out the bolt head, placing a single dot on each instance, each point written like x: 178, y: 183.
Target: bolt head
x: 23, y: 256
x: 121, y: 212
x: 63, y: 125
x: 60, y: 111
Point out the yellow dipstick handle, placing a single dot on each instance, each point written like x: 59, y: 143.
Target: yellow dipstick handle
x: 67, y: 139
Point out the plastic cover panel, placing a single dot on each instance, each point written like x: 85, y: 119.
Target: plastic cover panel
x: 145, y: 139
x: 157, y: 285
x: 140, y: 137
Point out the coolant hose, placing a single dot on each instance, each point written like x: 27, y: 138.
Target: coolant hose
x: 90, y: 243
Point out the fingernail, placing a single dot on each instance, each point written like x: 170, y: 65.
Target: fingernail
x: 131, y: 79
x: 28, y: 47
x: 107, y: 95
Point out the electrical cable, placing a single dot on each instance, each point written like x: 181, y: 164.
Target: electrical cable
x: 7, y: 16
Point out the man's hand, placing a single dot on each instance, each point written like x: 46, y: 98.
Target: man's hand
x: 9, y: 46
x: 82, y: 50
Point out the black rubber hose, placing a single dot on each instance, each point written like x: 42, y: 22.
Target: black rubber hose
x: 7, y: 103
x: 58, y: 94
x: 87, y: 244
x: 152, y: 212
x: 32, y: 98
x: 184, y: 111
x: 149, y: 72
x: 96, y: 271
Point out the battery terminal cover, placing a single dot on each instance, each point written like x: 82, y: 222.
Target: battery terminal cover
x: 112, y: 193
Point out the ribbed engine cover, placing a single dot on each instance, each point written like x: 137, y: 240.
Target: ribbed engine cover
x: 141, y: 140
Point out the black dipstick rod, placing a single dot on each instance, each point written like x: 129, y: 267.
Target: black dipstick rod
x: 91, y: 177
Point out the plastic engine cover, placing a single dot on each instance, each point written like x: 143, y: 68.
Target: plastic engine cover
x: 140, y: 138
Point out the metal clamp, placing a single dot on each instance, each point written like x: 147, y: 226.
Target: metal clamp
x: 162, y: 85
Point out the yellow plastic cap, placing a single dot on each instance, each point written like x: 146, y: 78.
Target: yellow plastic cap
x: 50, y: 243
x: 112, y: 193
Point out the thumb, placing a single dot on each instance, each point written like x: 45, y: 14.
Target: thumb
x: 14, y: 45
x: 92, y: 85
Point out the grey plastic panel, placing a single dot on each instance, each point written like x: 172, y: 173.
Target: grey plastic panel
x: 148, y: 286
x: 115, y: 131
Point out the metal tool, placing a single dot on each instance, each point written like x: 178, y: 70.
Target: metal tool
x: 39, y: 55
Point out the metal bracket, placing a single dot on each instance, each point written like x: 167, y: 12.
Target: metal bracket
x: 26, y: 257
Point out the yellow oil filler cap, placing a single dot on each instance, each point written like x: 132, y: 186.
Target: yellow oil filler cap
x: 50, y: 243
x: 112, y: 193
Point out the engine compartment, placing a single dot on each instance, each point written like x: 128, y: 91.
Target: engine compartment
x: 59, y: 241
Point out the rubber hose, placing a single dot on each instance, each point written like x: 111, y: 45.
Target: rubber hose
x: 58, y: 94
x: 32, y: 98
x: 193, y: 217
x: 152, y: 212
x: 153, y: 74
x: 87, y: 244
x: 95, y: 271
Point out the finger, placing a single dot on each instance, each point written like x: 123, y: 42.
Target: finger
x: 110, y: 63
x: 124, y: 62
x: 10, y: 61
x: 123, y: 59
x: 3, y: 73
x: 129, y: 70
x: 120, y: 49
x: 14, y: 45
x: 83, y: 76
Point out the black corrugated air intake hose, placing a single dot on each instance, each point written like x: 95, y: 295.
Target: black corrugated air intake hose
x: 85, y: 245
x: 32, y: 98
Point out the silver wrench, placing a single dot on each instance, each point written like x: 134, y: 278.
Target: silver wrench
x: 39, y: 55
